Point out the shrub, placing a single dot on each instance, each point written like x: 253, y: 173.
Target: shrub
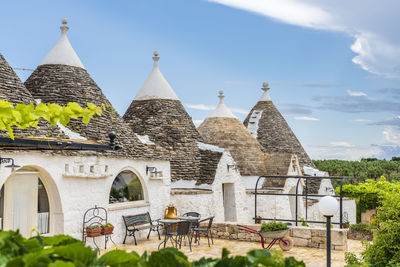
x: 385, y: 248
x: 273, y: 226
x: 63, y: 250
x: 359, y: 227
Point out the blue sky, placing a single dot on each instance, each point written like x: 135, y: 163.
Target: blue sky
x: 333, y: 70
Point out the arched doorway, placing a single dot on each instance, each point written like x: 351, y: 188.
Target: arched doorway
x: 30, y: 202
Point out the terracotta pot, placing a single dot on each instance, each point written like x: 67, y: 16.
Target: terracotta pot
x: 171, y: 213
x: 107, y: 230
x: 93, y: 232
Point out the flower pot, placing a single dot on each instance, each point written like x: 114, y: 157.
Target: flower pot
x: 107, y: 230
x: 346, y: 226
x: 93, y: 232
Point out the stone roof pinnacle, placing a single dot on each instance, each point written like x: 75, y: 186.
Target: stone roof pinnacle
x: 156, y: 86
x: 63, y: 53
x: 265, y: 96
x: 221, y: 96
x: 221, y: 111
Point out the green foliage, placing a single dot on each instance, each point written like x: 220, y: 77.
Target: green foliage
x: 24, y: 116
x: 364, y: 227
x: 65, y: 251
x: 303, y: 222
x: 273, y: 226
x: 361, y: 170
x: 91, y: 227
x: 353, y: 261
x: 107, y: 225
x: 385, y: 248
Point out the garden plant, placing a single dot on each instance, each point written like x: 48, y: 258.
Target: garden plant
x: 65, y: 251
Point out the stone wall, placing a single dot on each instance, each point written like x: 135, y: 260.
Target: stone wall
x: 302, y: 236
x: 360, y: 234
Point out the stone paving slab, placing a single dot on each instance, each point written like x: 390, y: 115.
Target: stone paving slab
x: 311, y: 256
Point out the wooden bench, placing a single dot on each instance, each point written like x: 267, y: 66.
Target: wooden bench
x: 134, y: 223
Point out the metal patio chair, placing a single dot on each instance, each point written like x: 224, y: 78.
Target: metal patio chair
x: 183, y: 232
x: 207, y: 231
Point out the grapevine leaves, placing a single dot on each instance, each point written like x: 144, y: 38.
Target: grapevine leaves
x: 24, y: 116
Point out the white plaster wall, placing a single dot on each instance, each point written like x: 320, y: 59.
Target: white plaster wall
x: 349, y: 212
x: 212, y: 204
x: 279, y: 207
x: 77, y: 194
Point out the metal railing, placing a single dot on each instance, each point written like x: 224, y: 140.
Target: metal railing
x: 304, y: 195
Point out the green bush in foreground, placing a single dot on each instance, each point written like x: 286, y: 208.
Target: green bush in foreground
x: 65, y: 251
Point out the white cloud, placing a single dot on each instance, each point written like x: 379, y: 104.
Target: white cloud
x: 344, y: 153
x: 341, y: 144
x: 304, y: 118
x: 240, y: 111
x: 362, y: 120
x: 351, y: 93
x: 371, y: 23
x: 209, y: 107
x: 392, y: 135
x: 200, y: 106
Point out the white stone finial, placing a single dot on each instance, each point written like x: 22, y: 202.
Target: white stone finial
x: 265, y: 96
x: 265, y: 87
x: 156, y: 57
x: 221, y: 111
x: 221, y: 95
x: 64, y: 28
x: 63, y: 53
x: 156, y: 86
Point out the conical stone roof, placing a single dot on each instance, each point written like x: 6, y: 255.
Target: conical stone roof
x: 223, y: 129
x: 13, y: 90
x: 270, y: 128
x: 162, y: 117
x: 60, y: 83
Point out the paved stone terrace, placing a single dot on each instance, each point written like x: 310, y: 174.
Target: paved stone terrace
x: 311, y: 256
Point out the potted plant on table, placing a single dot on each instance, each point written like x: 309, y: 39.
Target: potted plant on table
x: 107, y: 229
x: 93, y: 230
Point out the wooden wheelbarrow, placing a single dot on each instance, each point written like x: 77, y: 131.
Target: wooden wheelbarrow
x: 285, y: 242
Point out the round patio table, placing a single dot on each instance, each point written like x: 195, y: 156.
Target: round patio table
x: 189, y: 218
x: 168, y: 223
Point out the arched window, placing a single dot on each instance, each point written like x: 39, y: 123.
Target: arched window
x: 43, y: 209
x: 126, y: 187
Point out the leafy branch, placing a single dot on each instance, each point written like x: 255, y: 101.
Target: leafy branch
x: 28, y: 115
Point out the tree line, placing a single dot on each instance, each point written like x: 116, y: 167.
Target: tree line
x: 366, y: 168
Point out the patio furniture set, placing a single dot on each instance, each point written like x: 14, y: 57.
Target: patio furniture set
x: 184, y: 228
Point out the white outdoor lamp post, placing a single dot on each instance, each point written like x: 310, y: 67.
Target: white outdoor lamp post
x: 328, y: 206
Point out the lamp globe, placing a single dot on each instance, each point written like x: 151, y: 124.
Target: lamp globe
x: 328, y: 206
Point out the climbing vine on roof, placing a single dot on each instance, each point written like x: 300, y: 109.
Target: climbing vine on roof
x: 29, y: 115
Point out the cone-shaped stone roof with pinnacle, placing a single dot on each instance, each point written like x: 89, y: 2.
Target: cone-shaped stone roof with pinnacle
x: 270, y: 128
x: 13, y: 90
x: 158, y: 113
x: 223, y: 129
x: 61, y: 79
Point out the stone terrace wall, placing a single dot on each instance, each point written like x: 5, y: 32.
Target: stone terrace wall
x: 302, y: 236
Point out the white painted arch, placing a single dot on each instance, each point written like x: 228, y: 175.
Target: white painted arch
x: 56, y: 222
